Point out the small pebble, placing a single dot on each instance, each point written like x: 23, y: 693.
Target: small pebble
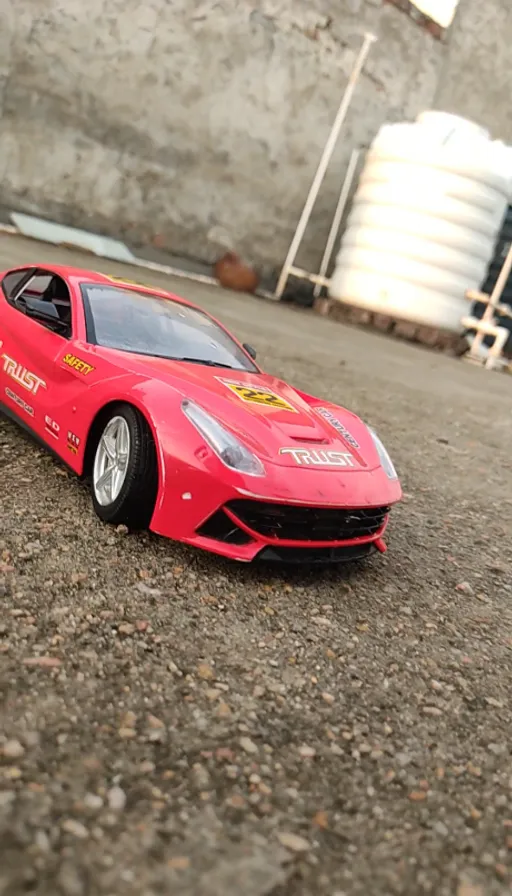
x: 93, y: 801
x: 116, y: 799
x: 76, y: 828
x: 12, y: 749
x: 293, y: 842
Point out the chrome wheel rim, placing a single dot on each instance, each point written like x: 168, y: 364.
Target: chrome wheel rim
x: 111, y: 461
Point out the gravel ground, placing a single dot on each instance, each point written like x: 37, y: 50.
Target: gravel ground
x: 174, y: 724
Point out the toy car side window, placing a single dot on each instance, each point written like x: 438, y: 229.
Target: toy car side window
x: 46, y: 299
x: 13, y: 280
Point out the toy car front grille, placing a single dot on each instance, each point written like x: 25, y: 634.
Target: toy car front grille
x: 297, y: 523
x: 221, y: 528
x: 315, y: 556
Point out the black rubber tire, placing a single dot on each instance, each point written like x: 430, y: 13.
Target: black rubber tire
x: 135, y: 503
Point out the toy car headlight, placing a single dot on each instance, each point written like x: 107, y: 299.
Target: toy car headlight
x: 384, y: 457
x: 227, y: 447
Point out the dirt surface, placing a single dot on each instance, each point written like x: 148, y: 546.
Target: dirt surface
x: 174, y: 724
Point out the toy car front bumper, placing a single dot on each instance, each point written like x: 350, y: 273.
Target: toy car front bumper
x: 312, y: 516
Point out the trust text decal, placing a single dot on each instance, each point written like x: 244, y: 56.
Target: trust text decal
x: 21, y: 375
x: 306, y: 457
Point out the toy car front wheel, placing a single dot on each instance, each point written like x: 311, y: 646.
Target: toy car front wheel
x: 124, y: 470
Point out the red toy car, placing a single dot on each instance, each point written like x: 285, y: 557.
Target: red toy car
x: 178, y: 428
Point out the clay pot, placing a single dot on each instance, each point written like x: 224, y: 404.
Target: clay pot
x: 232, y: 273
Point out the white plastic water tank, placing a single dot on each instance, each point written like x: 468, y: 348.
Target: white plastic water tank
x: 424, y: 221
x: 448, y: 124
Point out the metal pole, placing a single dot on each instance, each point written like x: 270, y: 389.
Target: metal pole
x: 338, y: 214
x: 493, y: 301
x: 369, y: 39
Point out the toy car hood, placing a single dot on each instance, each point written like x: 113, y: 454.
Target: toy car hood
x: 271, y: 418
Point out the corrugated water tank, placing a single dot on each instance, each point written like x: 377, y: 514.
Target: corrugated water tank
x: 424, y: 220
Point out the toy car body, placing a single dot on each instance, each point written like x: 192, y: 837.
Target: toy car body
x: 179, y: 429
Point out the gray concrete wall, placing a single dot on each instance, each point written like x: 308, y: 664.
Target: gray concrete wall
x: 202, y: 121
x: 475, y: 78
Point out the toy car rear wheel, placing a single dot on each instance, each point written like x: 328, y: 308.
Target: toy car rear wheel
x: 124, y: 477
